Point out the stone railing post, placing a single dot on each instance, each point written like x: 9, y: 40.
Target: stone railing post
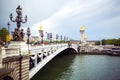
x: 2, y: 55
x: 36, y: 59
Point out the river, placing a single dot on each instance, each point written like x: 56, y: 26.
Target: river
x: 81, y: 67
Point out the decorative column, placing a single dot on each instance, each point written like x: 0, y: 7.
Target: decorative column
x: 82, y: 29
x: 18, y: 34
x: 83, y: 39
x: 41, y: 34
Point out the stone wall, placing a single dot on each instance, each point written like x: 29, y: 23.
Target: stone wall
x: 20, y: 64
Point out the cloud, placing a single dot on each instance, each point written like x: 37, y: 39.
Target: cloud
x: 84, y: 11
x: 70, y: 9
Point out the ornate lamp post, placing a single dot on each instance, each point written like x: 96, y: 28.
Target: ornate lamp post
x: 28, y: 40
x: 61, y: 38
x: 8, y: 27
x: 57, y: 38
x: 18, y: 34
x: 50, y: 37
x: 64, y: 38
x: 46, y: 36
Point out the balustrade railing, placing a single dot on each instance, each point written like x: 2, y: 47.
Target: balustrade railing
x: 37, y: 53
x: 7, y: 52
x: 40, y: 53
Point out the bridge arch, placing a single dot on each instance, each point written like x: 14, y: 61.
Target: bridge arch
x: 38, y: 66
x: 68, y: 51
x: 7, y: 78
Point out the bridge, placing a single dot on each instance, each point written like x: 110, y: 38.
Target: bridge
x: 25, y: 66
x: 42, y: 55
x: 22, y: 62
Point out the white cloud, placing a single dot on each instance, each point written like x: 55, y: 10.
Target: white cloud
x: 50, y: 24
x: 86, y: 9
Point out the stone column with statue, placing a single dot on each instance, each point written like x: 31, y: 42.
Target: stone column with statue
x: 83, y: 40
x: 41, y: 34
x: 18, y: 34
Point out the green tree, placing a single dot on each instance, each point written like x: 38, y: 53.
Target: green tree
x: 97, y: 43
x: 115, y: 42
x: 3, y: 33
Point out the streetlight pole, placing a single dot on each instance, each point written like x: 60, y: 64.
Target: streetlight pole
x: 46, y: 36
x: 8, y: 27
x: 57, y: 38
x: 50, y: 37
x: 28, y: 41
x: 61, y: 38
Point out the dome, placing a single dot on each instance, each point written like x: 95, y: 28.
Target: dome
x: 40, y: 27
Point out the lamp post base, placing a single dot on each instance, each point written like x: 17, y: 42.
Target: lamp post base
x: 21, y: 45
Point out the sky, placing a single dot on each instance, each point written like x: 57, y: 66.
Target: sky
x: 101, y: 18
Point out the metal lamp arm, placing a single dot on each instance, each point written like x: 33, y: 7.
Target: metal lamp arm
x: 25, y: 20
x: 12, y: 20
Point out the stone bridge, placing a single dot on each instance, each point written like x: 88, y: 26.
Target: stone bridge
x: 25, y: 66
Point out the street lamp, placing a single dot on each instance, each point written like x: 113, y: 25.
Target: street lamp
x: 18, y: 34
x: 28, y: 34
x: 50, y: 37
x: 64, y: 38
x: 46, y: 36
x: 8, y: 27
x: 61, y: 38
x: 57, y: 38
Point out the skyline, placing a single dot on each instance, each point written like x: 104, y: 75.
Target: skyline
x: 100, y: 18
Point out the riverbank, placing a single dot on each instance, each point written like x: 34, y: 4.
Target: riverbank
x: 99, y: 53
x: 92, y: 53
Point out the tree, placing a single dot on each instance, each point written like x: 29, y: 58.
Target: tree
x: 3, y: 33
x: 115, y: 42
x: 97, y: 42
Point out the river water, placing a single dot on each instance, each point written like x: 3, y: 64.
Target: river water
x: 81, y: 67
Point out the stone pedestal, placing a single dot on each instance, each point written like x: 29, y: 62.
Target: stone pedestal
x: 21, y: 45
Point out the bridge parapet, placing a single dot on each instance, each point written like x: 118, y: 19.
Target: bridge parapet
x: 41, y: 52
